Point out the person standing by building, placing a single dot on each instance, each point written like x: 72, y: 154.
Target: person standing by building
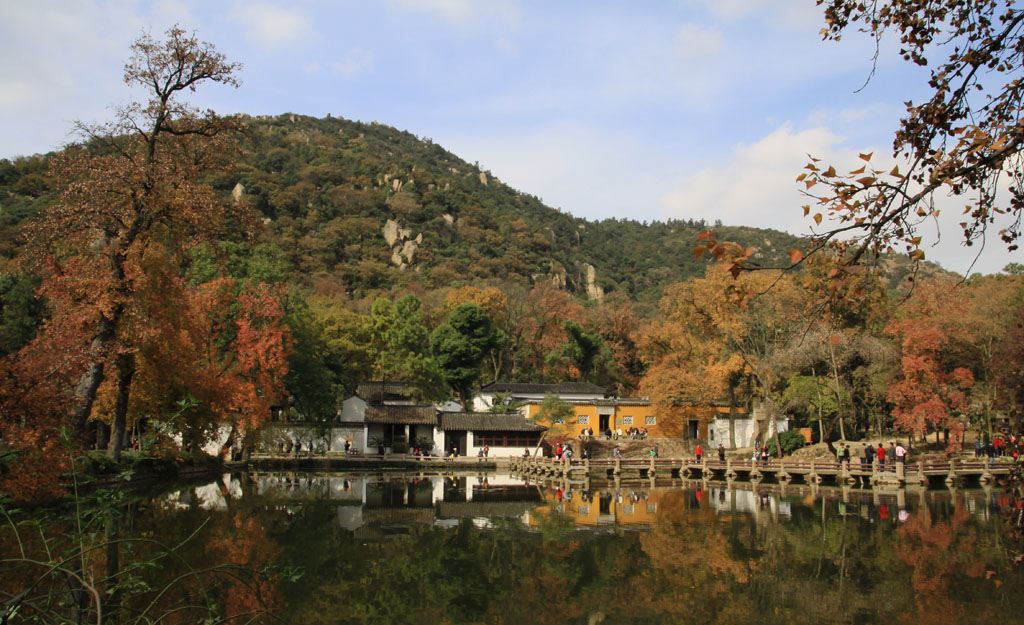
x: 699, y: 452
x: 721, y: 452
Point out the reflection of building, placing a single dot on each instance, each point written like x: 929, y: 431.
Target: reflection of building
x: 593, y: 508
x: 378, y: 506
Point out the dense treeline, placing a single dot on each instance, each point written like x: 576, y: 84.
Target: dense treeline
x: 177, y: 274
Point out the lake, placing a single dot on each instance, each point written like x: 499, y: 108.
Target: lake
x: 490, y: 548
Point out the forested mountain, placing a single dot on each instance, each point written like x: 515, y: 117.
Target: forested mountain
x: 357, y: 207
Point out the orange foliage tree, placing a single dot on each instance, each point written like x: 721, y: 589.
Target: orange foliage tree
x: 541, y: 331
x: 715, y: 331
x: 111, y: 253
x: 930, y: 395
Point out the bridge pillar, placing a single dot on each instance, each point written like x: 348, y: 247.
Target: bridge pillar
x: 783, y: 476
x: 901, y: 475
x: 922, y: 479
x: 730, y: 474
x: 951, y: 478
x: 813, y: 477
x: 844, y: 472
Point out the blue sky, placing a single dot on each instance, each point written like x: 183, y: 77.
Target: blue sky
x: 646, y: 110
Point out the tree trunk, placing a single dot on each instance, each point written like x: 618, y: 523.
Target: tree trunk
x: 125, y: 373
x: 102, y: 435
x: 225, y: 447
x: 835, y: 382
x: 732, y: 418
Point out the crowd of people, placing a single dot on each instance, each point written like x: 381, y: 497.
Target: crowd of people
x: 997, y: 447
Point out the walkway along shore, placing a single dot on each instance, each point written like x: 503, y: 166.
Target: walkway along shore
x: 953, y: 472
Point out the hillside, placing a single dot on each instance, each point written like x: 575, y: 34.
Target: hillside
x: 357, y: 208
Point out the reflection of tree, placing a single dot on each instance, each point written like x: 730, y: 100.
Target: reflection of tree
x: 939, y: 553
x: 694, y: 564
x: 243, y: 543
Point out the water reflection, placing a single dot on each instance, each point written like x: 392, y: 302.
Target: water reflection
x: 495, y: 549
x: 445, y: 499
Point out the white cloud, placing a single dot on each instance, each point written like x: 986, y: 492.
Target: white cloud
x: 354, y: 62
x: 757, y: 187
x: 271, y: 25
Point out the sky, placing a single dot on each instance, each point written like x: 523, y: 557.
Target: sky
x: 646, y: 110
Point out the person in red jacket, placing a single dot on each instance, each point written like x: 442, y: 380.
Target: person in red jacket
x: 699, y: 451
x: 881, y: 456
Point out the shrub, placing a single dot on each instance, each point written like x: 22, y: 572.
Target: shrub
x: 790, y: 442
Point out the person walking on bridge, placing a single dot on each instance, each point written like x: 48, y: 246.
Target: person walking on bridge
x: 869, y: 457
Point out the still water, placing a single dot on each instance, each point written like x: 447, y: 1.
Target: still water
x: 490, y: 548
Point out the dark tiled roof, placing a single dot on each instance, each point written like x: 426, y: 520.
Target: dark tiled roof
x: 412, y: 415
x: 560, y: 388
x: 377, y: 392
x: 488, y: 422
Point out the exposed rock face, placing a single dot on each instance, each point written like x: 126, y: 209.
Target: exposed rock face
x: 403, y: 246
x: 391, y: 232
x: 594, y: 291
x: 409, y: 250
x: 448, y: 219
x: 483, y: 179
x: 238, y: 192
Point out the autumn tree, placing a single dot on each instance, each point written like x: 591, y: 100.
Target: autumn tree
x: 686, y: 349
x: 134, y: 189
x: 964, y: 140
x: 991, y: 314
x: 541, y: 328
x: 932, y: 392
